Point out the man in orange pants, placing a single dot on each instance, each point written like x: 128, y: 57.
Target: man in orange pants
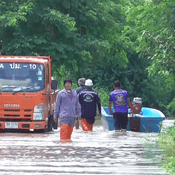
x: 67, y: 106
x: 89, y: 100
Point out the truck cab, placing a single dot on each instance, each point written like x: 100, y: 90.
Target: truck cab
x: 27, y: 93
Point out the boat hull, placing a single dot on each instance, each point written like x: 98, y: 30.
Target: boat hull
x: 147, y: 121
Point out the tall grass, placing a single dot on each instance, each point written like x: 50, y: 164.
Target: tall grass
x: 167, y: 143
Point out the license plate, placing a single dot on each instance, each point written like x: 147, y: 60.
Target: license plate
x: 11, y: 125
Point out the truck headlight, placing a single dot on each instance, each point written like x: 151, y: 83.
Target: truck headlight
x: 38, y: 113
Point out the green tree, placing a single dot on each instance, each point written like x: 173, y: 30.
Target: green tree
x: 153, y: 25
x: 75, y: 33
x: 150, y: 32
x: 105, y: 40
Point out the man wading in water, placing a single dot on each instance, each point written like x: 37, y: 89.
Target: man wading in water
x: 67, y: 106
x: 119, y: 98
x: 81, y: 83
x: 89, y: 100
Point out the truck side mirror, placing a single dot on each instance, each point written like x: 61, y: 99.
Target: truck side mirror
x: 54, y: 84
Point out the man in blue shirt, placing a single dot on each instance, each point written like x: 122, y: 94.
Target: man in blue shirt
x: 89, y: 100
x: 119, y: 98
x: 81, y: 83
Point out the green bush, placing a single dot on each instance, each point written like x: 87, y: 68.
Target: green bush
x: 104, y: 95
x: 171, y: 108
x: 60, y: 74
x: 167, y: 143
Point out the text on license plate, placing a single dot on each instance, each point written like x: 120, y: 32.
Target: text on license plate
x: 11, y: 125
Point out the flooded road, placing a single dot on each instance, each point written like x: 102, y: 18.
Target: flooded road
x: 100, y: 152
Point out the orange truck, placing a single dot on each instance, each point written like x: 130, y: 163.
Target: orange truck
x: 27, y: 93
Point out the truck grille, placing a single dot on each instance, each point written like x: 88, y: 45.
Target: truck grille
x: 27, y: 113
x: 11, y: 110
x: 27, y: 110
x: 13, y: 114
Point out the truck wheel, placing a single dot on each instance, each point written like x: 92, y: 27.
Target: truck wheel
x: 50, y: 121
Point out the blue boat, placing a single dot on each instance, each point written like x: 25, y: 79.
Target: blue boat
x: 147, y: 121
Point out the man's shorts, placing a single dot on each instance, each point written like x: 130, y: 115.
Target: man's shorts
x: 68, y: 120
x: 120, y: 120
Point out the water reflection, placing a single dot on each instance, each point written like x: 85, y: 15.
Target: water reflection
x: 99, y: 152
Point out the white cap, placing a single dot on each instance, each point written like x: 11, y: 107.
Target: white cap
x: 88, y: 82
x: 137, y: 100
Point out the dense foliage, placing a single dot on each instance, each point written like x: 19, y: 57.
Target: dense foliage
x: 167, y: 143
x: 105, y: 40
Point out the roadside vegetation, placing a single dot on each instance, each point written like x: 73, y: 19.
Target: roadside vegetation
x: 167, y: 143
x: 105, y: 40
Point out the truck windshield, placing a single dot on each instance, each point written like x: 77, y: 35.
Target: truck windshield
x: 21, y: 76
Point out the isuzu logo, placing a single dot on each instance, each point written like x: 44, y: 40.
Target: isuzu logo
x: 11, y: 105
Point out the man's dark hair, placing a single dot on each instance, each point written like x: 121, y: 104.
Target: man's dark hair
x: 68, y: 80
x: 117, y: 84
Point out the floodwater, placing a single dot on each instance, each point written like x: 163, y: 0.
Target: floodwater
x: 99, y: 152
